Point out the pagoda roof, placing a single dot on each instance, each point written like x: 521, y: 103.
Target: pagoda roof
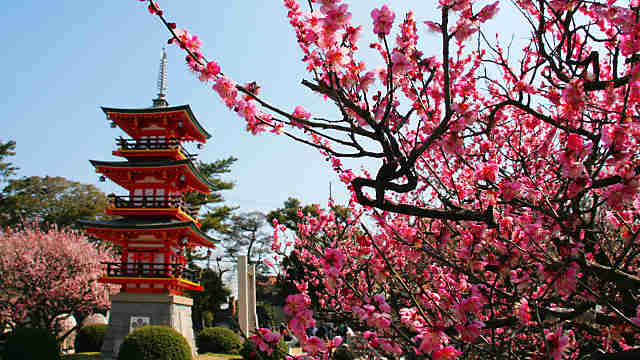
x: 142, y: 224
x: 154, y: 165
x: 198, y: 132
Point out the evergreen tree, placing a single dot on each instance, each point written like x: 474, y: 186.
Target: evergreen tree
x: 211, y: 299
x: 248, y: 235
x: 213, y: 216
x: 6, y: 168
x: 49, y: 200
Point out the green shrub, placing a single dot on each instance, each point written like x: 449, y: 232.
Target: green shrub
x: 208, y: 318
x: 90, y: 337
x: 250, y: 351
x: 31, y: 344
x: 218, y: 340
x: 3, y: 342
x: 343, y: 353
x: 154, y: 342
x: 266, y: 315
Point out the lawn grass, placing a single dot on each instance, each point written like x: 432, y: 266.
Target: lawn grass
x: 96, y: 356
x: 83, y: 356
x: 212, y: 356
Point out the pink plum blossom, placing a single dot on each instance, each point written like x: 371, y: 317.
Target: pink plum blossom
x: 382, y: 20
x: 558, y: 342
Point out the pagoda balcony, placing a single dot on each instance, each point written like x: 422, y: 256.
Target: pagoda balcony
x: 151, y: 147
x: 151, y: 270
x: 173, y: 205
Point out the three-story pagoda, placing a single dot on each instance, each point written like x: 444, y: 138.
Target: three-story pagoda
x: 154, y: 226
x: 157, y: 224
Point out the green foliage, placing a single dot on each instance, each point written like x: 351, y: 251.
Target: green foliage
x: 288, y: 215
x: 250, y: 351
x: 294, y: 268
x: 6, y: 168
x: 214, y: 295
x: 343, y: 353
x: 50, y: 200
x: 266, y: 315
x: 218, y: 340
x: 20, y: 345
x: 248, y: 235
x: 295, y: 271
x: 89, y: 338
x: 208, y: 317
x: 83, y: 356
x: 154, y: 342
x: 215, y: 216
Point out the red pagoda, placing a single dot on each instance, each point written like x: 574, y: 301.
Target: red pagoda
x: 156, y: 225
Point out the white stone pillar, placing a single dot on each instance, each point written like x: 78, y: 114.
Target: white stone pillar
x: 243, y: 295
x: 251, y: 285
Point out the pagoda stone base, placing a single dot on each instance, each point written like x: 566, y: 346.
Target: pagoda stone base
x: 130, y: 311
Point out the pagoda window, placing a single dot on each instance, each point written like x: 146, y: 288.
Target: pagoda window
x: 176, y: 197
x: 153, y: 142
x: 141, y: 263
x: 142, y: 142
x: 161, y: 199
x: 159, y: 264
x: 137, y: 197
x: 150, y: 198
x: 130, y: 263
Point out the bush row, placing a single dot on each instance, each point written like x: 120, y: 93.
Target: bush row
x: 146, y: 343
x: 218, y: 340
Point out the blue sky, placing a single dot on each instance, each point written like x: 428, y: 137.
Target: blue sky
x: 65, y: 59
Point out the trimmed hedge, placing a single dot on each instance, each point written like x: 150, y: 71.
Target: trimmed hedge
x: 250, y: 351
x: 208, y: 318
x: 31, y: 344
x: 343, y: 353
x: 154, y: 342
x: 218, y: 340
x: 90, y: 337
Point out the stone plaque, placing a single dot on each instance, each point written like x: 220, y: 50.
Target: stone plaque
x: 138, y: 322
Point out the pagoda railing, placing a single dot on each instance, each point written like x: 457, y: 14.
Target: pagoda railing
x: 153, y: 202
x: 151, y: 270
x: 153, y: 144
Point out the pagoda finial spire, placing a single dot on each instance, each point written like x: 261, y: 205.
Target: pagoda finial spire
x: 160, y: 101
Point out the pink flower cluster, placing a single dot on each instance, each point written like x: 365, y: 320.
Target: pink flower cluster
x: 636, y: 319
x: 266, y: 340
x: 382, y: 20
x: 558, y: 342
x: 513, y: 186
x: 50, y: 273
x: 375, y: 314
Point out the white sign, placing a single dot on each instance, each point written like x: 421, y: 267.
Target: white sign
x: 138, y: 322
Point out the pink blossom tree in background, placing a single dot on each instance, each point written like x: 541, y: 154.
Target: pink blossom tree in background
x: 49, y: 273
x: 502, y: 221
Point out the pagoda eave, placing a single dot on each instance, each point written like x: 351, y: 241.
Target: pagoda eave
x: 170, y: 212
x: 159, y: 121
x: 174, y: 154
x: 167, y: 282
x: 120, y: 231
x: 181, y: 173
